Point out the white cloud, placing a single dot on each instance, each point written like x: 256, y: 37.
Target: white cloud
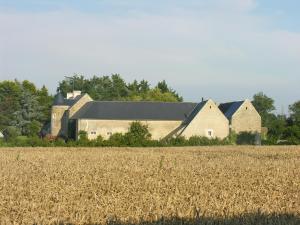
x: 221, y: 44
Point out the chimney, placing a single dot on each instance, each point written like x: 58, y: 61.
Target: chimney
x: 73, y: 94
x: 202, y: 99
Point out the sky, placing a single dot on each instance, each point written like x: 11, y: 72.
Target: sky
x: 221, y: 49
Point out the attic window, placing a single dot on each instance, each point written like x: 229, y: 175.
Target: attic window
x: 210, y: 106
x: 246, y: 108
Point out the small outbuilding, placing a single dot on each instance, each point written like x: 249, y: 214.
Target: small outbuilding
x: 242, y: 116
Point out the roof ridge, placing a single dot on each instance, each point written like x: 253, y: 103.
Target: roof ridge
x: 231, y: 102
x: 146, y: 102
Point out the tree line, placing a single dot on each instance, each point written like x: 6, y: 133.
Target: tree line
x: 25, y: 109
x: 281, y: 129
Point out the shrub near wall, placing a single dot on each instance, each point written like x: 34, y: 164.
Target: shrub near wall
x: 138, y: 135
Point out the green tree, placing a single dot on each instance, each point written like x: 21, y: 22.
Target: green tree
x: 264, y: 106
x: 163, y: 86
x: 137, y: 134
x: 78, y: 82
x: 10, y: 93
x: 276, y: 126
x: 295, y: 113
x: 28, y: 116
x: 119, y: 87
x: 29, y: 86
x: 45, y: 101
x: 107, y: 88
x: 157, y: 95
x: 292, y: 134
x: 10, y: 133
x: 144, y: 87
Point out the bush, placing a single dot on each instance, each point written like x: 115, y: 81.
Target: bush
x: 35, y: 141
x: 199, y: 141
x: 11, y: 133
x: 33, y: 128
x: 82, y: 135
x: 178, y: 141
x: 137, y: 135
x: 232, y: 138
x: 99, y: 141
x: 60, y: 142
x: 246, y: 138
x: 292, y: 135
x: 116, y: 139
x: 2, y: 142
x: 204, y: 141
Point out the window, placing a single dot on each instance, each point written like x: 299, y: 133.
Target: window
x: 94, y: 132
x: 246, y: 108
x: 109, y: 133
x: 210, y: 133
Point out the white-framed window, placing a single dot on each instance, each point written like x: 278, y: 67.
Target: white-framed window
x: 109, y: 133
x: 93, y: 132
x: 210, y: 133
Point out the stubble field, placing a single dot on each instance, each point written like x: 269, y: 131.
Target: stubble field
x: 206, y: 185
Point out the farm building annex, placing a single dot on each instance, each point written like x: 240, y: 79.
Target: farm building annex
x: 78, y: 112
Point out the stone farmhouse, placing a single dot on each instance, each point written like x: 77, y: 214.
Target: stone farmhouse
x: 79, y: 112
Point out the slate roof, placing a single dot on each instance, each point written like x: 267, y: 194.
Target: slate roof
x: 195, y: 111
x: 230, y: 108
x: 114, y: 110
x: 60, y: 100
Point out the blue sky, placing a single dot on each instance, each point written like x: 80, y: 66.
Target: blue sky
x: 221, y: 49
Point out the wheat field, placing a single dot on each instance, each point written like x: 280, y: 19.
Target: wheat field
x: 205, y: 185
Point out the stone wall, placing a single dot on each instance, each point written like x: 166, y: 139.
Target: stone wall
x: 246, y: 119
x: 59, y: 121
x: 158, y: 129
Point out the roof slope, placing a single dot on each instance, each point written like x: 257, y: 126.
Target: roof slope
x: 194, y: 113
x: 230, y: 108
x: 112, y: 110
x: 60, y: 100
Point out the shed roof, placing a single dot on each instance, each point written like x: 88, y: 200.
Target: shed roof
x: 114, y: 110
x: 230, y: 108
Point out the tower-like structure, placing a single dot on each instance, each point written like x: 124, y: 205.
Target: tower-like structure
x: 59, y: 117
x: 62, y: 111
